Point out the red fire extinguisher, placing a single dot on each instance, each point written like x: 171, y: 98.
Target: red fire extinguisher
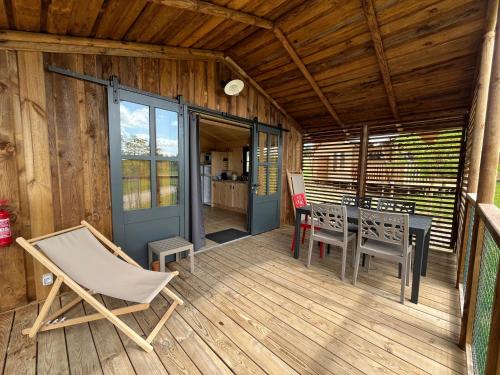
x: 5, y: 232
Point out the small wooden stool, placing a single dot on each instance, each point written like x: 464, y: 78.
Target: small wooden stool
x: 169, y: 246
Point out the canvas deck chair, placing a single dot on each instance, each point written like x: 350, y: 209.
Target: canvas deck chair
x: 88, y: 263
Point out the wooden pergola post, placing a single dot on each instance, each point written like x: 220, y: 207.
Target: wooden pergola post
x: 483, y: 85
x: 485, y: 191
x: 363, y: 156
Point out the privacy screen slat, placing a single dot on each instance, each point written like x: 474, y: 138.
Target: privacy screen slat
x: 417, y: 163
x: 331, y: 166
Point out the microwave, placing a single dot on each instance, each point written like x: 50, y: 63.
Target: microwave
x: 208, y: 158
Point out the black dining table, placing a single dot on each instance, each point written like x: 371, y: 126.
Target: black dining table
x: 420, y: 227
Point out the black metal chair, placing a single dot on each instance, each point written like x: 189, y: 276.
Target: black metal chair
x: 355, y: 201
x: 396, y: 206
x: 350, y: 200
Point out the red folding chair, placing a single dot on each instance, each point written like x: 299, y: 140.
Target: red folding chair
x: 299, y: 200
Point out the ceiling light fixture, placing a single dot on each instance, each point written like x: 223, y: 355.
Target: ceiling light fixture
x: 233, y: 87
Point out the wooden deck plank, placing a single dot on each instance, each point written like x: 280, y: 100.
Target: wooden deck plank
x: 323, y: 317
x: 52, y: 357
x: 335, y: 299
x: 282, y: 338
x: 204, y: 358
x: 82, y: 354
x: 411, y: 314
x: 144, y: 363
x: 5, y: 329
x: 21, y: 353
x: 251, y: 308
x: 428, y: 284
x: 173, y: 357
x: 331, y: 336
x: 112, y: 354
x: 262, y: 356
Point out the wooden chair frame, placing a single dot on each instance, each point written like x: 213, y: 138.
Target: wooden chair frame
x: 43, y: 318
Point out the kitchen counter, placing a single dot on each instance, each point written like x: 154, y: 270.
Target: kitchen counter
x: 231, y: 195
x: 231, y: 181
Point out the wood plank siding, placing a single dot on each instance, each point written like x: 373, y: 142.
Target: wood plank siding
x: 54, y: 138
x: 251, y: 308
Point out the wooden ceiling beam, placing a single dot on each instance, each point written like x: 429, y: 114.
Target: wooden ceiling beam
x: 239, y: 70
x: 218, y: 11
x: 26, y: 41
x: 300, y: 64
x: 371, y: 19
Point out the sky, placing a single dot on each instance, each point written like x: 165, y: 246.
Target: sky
x: 134, y: 120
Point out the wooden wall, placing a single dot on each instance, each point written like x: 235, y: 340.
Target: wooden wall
x: 54, y: 160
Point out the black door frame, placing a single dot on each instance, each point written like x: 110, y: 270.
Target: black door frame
x: 120, y: 218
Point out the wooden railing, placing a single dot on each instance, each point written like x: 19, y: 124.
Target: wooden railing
x: 482, y: 342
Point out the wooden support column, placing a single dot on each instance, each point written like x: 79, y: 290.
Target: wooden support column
x: 483, y: 84
x: 485, y: 191
x: 36, y: 151
x: 363, y: 157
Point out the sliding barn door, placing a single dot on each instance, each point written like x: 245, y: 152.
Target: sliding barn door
x: 147, y: 146
x: 266, y: 179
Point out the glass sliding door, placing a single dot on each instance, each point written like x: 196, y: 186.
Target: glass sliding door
x: 147, y: 175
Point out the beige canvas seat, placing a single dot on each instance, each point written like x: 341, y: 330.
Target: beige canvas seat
x: 88, y: 263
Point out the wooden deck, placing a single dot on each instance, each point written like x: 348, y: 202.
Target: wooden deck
x: 252, y: 308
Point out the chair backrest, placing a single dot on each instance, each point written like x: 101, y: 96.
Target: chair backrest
x: 365, y: 202
x: 383, y: 226
x: 350, y: 200
x: 330, y: 217
x: 296, y: 185
x: 396, y: 206
x: 354, y: 201
x: 299, y: 200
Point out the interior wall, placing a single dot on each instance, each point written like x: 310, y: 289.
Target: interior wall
x: 54, y: 160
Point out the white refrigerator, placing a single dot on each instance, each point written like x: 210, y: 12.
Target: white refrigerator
x: 206, y: 183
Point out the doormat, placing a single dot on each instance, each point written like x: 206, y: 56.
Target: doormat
x: 226, y: 235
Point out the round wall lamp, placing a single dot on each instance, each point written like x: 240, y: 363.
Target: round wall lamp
x: 233, y: 87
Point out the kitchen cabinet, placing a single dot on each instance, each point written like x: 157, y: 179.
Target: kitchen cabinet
x: 218, y: 163
x: 230, y: 195
x: 235, y: 161
x: 240, y: 196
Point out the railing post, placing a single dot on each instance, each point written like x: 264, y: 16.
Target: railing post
x: 362, y: 162
x: 463, y: 243
x: 486, y: 188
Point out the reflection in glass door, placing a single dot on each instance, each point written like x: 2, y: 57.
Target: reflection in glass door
x: 146, y: 147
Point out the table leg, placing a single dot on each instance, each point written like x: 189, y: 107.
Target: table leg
x: 150, y: 258
x: 417, y: 266
x: 297, y: 236
x: 426, y: 252
x: 191, y: 261
x: 162, y: 263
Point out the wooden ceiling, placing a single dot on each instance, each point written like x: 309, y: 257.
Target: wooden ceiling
x: 219, y: 136
x: 328, y: 63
